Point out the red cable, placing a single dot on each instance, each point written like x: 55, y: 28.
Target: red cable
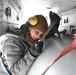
x: 67, y: 49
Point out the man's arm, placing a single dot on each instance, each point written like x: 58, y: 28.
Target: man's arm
x: 18, y: 63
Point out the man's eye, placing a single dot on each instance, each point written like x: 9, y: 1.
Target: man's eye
x: 37, y: 32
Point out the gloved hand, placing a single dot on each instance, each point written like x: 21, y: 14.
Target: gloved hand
x: 53, y: 16
x: 36, y: 49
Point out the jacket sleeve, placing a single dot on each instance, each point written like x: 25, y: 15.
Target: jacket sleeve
x: 18, y: 63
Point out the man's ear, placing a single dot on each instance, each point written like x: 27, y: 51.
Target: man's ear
x: 30, y: 28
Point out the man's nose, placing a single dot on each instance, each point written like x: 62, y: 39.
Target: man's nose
x: 39, y: 36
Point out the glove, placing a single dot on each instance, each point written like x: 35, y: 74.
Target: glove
x: 53, y: 16
x: 36, y: 49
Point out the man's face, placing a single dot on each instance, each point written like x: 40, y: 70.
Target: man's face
x: 35, y: 34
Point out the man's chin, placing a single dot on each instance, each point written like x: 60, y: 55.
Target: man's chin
x: 35, y: 39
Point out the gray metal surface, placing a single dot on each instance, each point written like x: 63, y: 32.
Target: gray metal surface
x: 66, y: 65
x: 2, y: 71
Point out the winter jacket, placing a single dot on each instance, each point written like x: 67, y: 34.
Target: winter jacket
x: 15, y: 50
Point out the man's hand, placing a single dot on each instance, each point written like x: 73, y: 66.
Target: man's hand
x: 36, y: 49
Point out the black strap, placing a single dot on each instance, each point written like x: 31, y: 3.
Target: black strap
x: 24, y: 27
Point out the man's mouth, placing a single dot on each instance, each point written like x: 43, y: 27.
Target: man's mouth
x: 34, y: 38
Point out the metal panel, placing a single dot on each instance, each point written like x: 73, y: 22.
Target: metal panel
x: 66, y: 65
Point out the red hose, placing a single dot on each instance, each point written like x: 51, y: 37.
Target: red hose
x: 67, y: 49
